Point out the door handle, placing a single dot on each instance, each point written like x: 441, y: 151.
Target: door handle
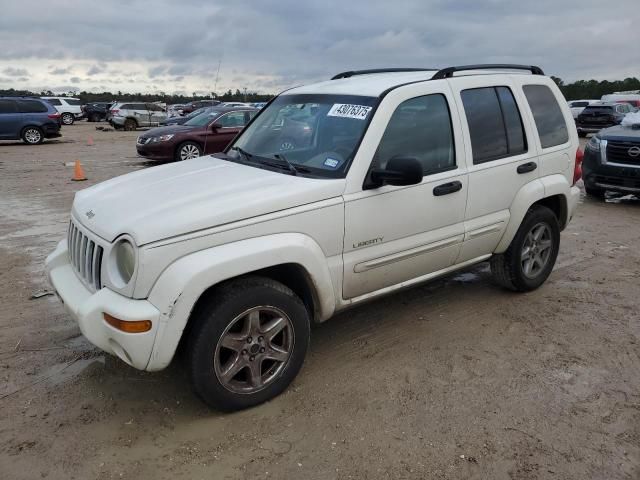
x: 447, y: 188
x: 527, y: 167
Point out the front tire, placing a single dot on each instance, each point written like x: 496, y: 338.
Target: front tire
x: 187, y: 151
x: 130, y: 124
x: 248, y: 343
x: 68, y: 118
x: 528, y: 261
x: 32, y: 136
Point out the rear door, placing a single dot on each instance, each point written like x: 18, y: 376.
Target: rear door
x: 156, y: 113
x: 10, y: 123
x: 500, y: 158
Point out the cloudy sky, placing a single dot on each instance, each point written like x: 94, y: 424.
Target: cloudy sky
x: 268, y: 45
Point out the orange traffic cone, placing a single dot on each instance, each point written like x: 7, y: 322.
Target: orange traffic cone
x: 78, y: 172
x: 90, y: 141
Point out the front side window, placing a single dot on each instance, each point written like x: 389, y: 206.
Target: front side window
x: 232, y: 120
x: 495, y: 125
x: 419, y: 128
x: 317, y: 134
x: 547, y: 114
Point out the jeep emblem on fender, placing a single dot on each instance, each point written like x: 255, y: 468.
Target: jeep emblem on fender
x: 634, y: 151
x: 90, y: 214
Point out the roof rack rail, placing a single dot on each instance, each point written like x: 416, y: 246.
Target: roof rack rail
x: 449, y: 71
x: 352, y: 73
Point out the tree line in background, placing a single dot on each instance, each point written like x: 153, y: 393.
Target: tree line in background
x: 88, y: 97
x: 582, y: 89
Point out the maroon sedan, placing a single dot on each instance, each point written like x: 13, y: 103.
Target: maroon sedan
x: 209, y: 132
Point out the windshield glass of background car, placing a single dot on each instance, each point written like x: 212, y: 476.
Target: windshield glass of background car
x: 318, y: 132
x: 201, y: 120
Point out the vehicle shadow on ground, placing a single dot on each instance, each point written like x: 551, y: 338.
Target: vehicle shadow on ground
x: 157, y: 391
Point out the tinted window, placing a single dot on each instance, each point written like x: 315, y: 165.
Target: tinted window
x: 54, y: 101
x: 494, y: 123
x: 7, y: 106
x: 579, y: 104
x: 550, y: 122
x: 419, y: 128
x: 153, y: 107
x: 31, y: 106
x: 232, y: 120
x: 127, y: 106
x: 73, y: 101
x: 599, y: 109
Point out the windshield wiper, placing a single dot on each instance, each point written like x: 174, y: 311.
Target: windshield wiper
x: 242, y: 152
x: 282, y: 158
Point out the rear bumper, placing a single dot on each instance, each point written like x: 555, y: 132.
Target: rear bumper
x: 51, y: 130
x: 87, y: 309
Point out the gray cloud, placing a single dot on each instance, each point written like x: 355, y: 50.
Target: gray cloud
x: 273, y: 44
x: 74, y: 79
x: 15, y: 72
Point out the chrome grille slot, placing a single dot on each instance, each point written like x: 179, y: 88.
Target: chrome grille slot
x: 85, y: 256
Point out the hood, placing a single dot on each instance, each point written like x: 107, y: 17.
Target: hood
x: 169, y: 200
x: 174, y: 120
x: 155, y: 132
x: 620, y: 133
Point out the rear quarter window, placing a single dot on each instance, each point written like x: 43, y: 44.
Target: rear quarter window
x: 547, y: 114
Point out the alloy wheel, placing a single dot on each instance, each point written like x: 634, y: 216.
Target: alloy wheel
x: 536, y: 250
x: 188, y: 152
x: 67, y: 119
x: 254, y: 350
x: 33, y: 135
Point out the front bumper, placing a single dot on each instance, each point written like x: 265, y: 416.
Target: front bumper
x: 87, y: 308
x: 609, y: 176
x: 157, y: 150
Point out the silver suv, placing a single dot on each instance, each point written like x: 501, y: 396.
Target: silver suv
x: 131, y: 115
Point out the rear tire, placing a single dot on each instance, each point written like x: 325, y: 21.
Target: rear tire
x: 32, y: 136
x: 187, y: 151
x: 130, y: 124
x: 532, y: 253
x: 595, y: 192
x: 237, y: 336
x: 68, y: 118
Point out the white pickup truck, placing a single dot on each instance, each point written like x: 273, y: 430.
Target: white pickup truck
x: 334, y: 194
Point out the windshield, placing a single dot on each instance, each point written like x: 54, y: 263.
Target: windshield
x: 318, y: 133
x: 202, y: 119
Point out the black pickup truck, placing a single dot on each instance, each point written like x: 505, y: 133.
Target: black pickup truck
x: 96, y: 111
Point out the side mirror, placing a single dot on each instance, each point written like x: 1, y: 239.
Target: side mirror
x: 399, y: 171
x: 216, y: 126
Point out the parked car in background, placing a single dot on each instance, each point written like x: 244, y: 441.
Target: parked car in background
x: 132, y: 115
x: 577, y: 106
x: 634, y: 103
x: 628, y: 97
x: 174, y: 110
x: 258, y: 105
x: 29, y: 119
x: 96, y: 111
x: 236, y: 104
x: 70, y: 109
x: 192, y: 106
x: 601, y: 115
x: 612, y: 161
x: 181, y: 120
x: 208, y: 132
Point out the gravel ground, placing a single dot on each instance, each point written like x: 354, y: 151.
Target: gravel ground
x: 454, y: 379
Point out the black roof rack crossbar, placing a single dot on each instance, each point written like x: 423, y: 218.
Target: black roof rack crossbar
x: 352, y: 73
x: 449, y: 71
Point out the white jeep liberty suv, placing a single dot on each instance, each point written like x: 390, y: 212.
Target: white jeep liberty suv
x: 334, y: 194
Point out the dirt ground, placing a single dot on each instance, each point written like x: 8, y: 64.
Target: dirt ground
x: 452, y: 380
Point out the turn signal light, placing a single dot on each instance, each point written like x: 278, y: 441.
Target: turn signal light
x: 577, y: 167
x: 128, y: 326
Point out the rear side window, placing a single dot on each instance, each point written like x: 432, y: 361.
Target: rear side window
x: 73, y: 101
x: 550, y: 122
x: 495, y: 125
x: 420, y: 128
x: 126, y: 106
x: 54, y: 101
x: 7, y: 106
x: 31, y: 106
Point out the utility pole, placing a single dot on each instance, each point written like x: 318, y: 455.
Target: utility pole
x: 245, y: 95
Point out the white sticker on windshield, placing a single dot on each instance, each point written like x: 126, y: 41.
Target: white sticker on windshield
x: 346, y: 110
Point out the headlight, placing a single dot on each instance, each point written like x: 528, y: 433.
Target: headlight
x: 594, y: 143
x: 125, y: 260
x: 162, y: 138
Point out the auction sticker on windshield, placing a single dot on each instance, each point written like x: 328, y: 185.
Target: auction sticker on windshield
x: 346, y: 110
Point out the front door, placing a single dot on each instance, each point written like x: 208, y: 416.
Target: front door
x: 395, y: 234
